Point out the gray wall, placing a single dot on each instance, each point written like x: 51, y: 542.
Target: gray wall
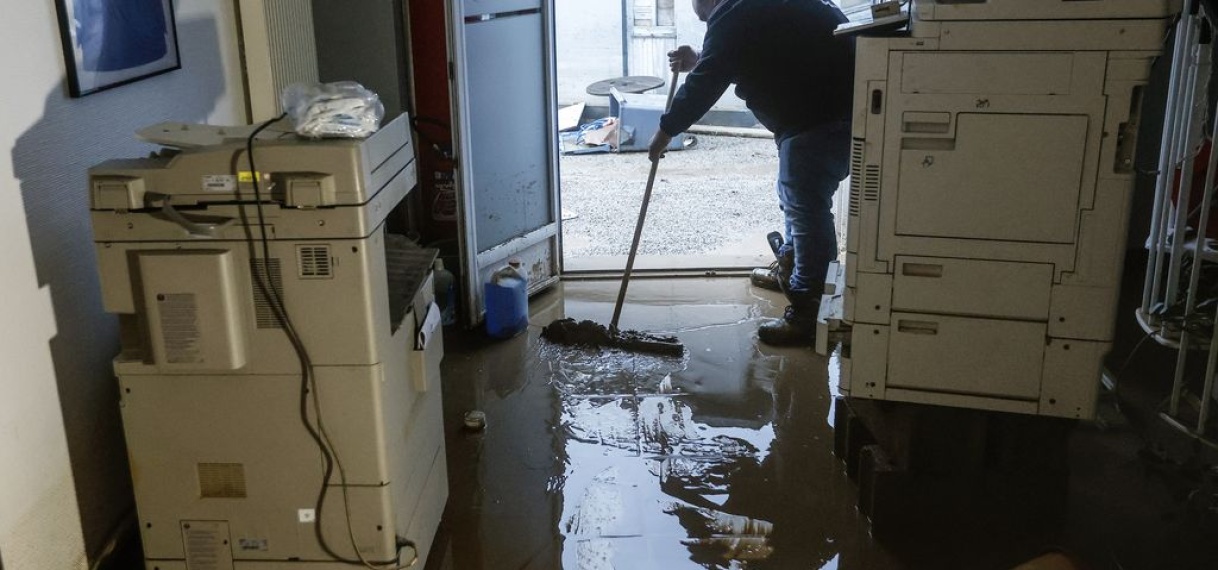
x: 364, y: 42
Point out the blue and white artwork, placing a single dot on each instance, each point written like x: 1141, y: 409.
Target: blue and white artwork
x: 108, y: 43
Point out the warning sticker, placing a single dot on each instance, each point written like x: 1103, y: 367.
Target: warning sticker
x: 253, y: 544
x: 219, y: 183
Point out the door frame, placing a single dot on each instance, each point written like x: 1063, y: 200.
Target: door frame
x: 479, y: 265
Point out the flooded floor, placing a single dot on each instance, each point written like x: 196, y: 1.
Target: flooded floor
x: 720, y: 459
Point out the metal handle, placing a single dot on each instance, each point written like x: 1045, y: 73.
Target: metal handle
x: 638, y: 227
x: 917, y: 327
x: 201, y: 226
x: 933, y: 270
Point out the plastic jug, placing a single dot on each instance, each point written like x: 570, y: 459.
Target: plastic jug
x: 507, y: 301
x: 446, y: 293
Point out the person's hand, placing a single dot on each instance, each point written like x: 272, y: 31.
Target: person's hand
x: 683, y: 58
x: 659, y: 144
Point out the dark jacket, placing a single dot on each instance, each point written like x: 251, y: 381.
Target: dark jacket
x: 787, y: 66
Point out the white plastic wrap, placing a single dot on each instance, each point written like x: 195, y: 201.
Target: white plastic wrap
x: 344, y: 109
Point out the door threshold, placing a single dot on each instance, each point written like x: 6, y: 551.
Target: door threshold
x: 656, y: 266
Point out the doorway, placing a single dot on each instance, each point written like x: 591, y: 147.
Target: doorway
x: 516, y: 65
x: 713, y: 202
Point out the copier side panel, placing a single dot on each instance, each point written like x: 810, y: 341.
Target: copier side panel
x: 349, y: 299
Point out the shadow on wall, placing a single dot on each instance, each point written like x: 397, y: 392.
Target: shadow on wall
x: 51, y: 159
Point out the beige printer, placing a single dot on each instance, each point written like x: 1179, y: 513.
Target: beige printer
x: 214, y: 402
x: 990, y: 183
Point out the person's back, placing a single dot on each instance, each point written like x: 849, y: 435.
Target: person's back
x: 793, y: 73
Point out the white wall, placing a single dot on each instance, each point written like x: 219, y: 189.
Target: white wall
x: 589, y: 46
x: 588, y: 38
x: 64, y: 483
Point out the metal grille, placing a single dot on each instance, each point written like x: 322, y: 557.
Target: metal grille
x: 313, y: 261
x: 179, y: 327
x: 856, y: 175
x: 871, y: 183
x: 221, y: 480
x: 293, y: 47
x: 263, y: 309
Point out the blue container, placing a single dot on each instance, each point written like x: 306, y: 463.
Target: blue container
x: 507, y: 302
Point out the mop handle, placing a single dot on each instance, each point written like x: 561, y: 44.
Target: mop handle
x: 638, y: 227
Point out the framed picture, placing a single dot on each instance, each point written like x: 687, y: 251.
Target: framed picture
x: 107, y: 43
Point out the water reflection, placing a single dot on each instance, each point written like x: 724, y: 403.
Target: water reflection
x: 678, y: 460
x: 723, y: 459
x: 596, y: 460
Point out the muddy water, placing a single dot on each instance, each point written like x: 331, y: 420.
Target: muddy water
x: 601, y: 459
x: 723, y: 459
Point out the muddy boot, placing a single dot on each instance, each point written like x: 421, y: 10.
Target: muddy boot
x: 797, y: 327
x: 778, y: 274
x: 767, y: 277
x: 775, y: 240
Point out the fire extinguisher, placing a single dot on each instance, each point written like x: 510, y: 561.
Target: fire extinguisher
x: 437, y: 180
x: 442, y: 206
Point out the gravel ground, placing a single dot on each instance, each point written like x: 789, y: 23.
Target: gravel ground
x: 716, y: 198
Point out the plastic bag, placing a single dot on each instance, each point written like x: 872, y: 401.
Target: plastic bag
x: 344, y: 109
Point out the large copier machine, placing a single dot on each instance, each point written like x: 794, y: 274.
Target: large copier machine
x: 214, y: 399
x: 991, y: 176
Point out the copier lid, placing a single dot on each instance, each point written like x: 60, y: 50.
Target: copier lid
x: 209, y: 165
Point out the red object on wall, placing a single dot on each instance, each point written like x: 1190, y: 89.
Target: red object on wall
x: 433, y: 112
x: 1197, y: 191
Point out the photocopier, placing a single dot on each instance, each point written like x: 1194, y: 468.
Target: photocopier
x: 991, y: 175
x: 280, y: 350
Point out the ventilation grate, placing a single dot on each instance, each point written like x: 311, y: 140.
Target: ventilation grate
x: 856, y: 175
x: 265, y: 312
x: 179, y: 327
x: 871, y: 183
x: 314, y: 262
x: 291, y: 44
x: 221, y: 480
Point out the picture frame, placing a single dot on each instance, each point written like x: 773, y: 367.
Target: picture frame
x: 108, y: 43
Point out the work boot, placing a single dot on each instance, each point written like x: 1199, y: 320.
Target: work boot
x: 797, y: 327
x: 775, y: 240
x: 778, y: 274
x: 767, y: 277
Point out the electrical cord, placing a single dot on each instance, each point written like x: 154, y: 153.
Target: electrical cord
x: 1198, y: 323
x: 1116, y: 377
x: 309, y: 393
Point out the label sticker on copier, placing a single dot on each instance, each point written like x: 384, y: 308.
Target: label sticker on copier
x: 245, y: 176
x: 219, y: 183
x: 253, y: 544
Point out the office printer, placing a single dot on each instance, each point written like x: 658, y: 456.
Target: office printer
x: 201, y: 257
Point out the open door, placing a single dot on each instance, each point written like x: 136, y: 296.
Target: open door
x: 505, y: 118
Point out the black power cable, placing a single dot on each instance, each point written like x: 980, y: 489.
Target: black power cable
x: 308, y: 385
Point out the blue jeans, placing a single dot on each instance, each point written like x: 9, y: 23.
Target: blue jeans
x: 811, y: 165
